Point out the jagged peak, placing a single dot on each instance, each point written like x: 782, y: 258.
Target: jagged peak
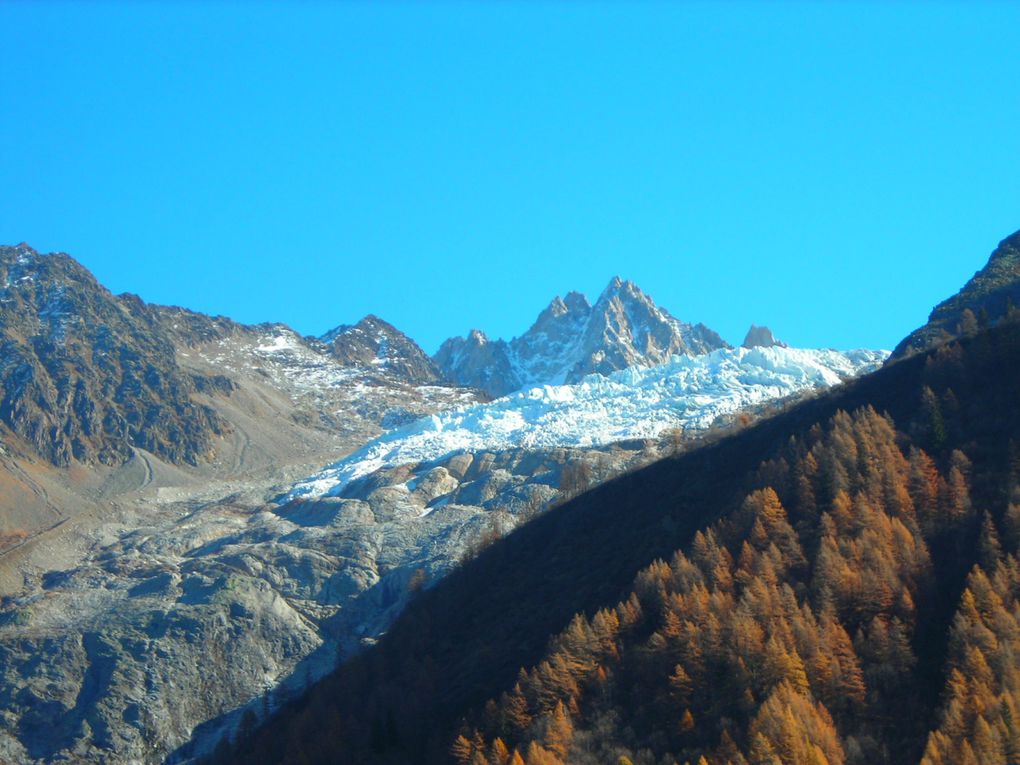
x: 572, y: 338
x: 628, y: 293
x: 761, y: 337
x: 22, y: 247
x: 576, y: 301
x: 617, y: 287
x: 557, y: 307
x: 24, y: 254
x: 374, y: 322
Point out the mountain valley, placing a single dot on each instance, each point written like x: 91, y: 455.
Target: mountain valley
x: 833, y: 584
x: 143, y: 555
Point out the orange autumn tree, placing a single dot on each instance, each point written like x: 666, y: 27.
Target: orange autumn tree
x: 781, y: 634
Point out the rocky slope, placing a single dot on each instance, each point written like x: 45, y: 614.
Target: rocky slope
x: 102, y: 396
x: 161, y: 600
x: 88, y: 376
x: 81, y: 378
x: 991, y: 294
x: 219, y: 417
x: 572, y: 339
x: 179, y: 620
x: 374, y: 342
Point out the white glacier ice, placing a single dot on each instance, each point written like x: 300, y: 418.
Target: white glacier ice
x: 689, y: 392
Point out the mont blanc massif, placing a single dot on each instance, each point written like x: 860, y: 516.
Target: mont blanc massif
x: 616, y: 538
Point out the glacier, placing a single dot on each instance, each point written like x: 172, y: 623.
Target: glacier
x: 689, y: 392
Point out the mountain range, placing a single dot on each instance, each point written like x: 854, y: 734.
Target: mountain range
x: 834, y: 584
x: 165, y: 499
x: 572, y: 338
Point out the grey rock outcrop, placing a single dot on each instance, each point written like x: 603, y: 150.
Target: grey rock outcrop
x: 478, y: 362
x: 373, y: 341
x: 167, y: 633
x: 761, y: 337
x: 571, y: 339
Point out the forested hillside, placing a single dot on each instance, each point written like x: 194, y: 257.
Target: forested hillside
x: 835, y: 585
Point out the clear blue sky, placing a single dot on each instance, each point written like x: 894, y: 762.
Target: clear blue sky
x: 832, y: 170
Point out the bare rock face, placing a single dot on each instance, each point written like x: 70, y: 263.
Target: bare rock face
x: 761, y: 337
x: 88, y: 377
x: 478, y: 362
x: 82, y: 375
x: 159, y: 641
x: 992, y: 294
x: 571, y: 339
x: 626, y: 328
x: 374, y: 342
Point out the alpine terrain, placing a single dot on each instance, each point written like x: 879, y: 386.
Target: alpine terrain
x: 201, y: 517
x: 837, y: 583
x: 572, y: 339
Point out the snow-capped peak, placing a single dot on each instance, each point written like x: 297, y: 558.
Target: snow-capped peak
x: 572, y: 338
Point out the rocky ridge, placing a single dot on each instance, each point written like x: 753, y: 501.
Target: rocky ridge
x: 571, y: 339
x: 375, y: 342
x: 992, y: 294
x: 82, y: 378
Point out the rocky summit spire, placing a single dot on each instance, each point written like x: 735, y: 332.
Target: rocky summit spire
x: 761, y: 337
x: 572, y: 338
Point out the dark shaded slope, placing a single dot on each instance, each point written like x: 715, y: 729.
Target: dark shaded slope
x: 990, y: 294
x: 464, y: 642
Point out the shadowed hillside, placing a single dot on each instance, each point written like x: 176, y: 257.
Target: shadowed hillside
x: 465, y: 641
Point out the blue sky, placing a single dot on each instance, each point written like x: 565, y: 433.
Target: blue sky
x: 832, y: 170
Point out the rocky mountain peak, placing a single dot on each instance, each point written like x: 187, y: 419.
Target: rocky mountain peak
x: 83, y: 374
x: 576, y: 302
x: 18, y: 251
x: 572, y: 338
x: 761, y: 337
x: 573, y: 307
x: 377, y: 345
x: 556, y: 308
x: 622, y: 291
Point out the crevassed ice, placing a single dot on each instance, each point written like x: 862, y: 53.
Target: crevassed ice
x: 639, y: 402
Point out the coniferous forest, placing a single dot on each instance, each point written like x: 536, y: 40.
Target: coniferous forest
x: 838, y: 584
x: 515, y: 383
